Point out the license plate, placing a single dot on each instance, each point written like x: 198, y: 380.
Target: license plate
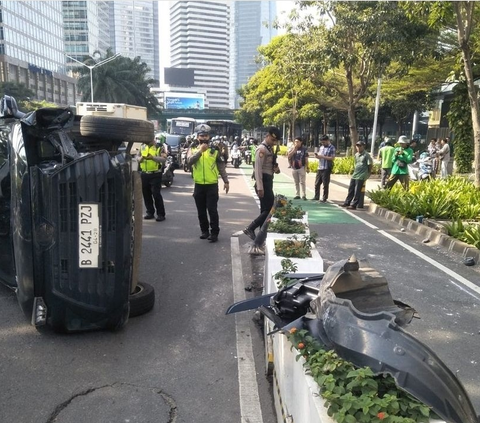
x: 88, y: 235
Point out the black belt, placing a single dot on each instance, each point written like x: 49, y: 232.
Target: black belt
x: 153, y: 171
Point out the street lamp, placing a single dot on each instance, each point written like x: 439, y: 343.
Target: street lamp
x: 109, y: 59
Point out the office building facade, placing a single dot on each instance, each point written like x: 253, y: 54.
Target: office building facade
x: 200, y: 40
x: 32, y: 49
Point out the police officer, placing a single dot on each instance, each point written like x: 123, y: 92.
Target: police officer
x: 207, y: 164
x: 151, y: 161
x: 265, y: 167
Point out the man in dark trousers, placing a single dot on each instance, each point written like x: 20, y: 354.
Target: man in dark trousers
x: 207, y: 164
x: 325, y: 156
x: 151, y: 161
x: 265, y: 167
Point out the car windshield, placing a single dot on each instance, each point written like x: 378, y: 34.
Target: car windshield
x: 173, y: 140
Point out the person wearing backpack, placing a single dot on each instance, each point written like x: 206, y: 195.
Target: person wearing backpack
x: 298, y: 160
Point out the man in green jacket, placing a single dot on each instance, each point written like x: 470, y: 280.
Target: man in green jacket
x: 386, y: 155
x: 361, y: 172
x: 402, y: 156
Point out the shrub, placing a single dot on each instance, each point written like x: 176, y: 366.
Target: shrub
x: 355, y: 395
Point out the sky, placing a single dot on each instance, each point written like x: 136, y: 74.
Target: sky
x: 283, y: 8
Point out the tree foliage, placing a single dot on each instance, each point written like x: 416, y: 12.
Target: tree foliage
x: 122, y: 80
x: 19, y: 91
x: 353, y: 43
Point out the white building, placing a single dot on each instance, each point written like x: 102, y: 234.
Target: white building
x: 200, y: 40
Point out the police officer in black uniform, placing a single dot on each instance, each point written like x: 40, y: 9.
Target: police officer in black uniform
x: 265, y: 167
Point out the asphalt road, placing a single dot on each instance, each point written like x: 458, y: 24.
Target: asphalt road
x: 180, y: 362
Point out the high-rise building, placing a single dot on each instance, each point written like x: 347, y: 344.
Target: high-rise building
x: 134, y: 32
x: 251, y: 27
x: 85, y: 25
x: 200, y: 40
x: 32, y: 49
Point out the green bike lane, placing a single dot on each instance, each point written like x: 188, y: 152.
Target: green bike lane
x: 318, y: 213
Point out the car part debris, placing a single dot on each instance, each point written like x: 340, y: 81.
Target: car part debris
x: 351, y: 311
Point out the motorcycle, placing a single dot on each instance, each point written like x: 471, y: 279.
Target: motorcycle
x: 167, y: 176
x: 236, y: 157
x: 248, y: 156
x: 422, y: 169
x: 183, y: 160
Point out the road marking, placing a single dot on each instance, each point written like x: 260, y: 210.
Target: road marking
x: 250, y: 408
x: 439, y: 266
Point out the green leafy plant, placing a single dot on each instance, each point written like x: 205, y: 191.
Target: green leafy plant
x: 288, y: 266
x: 287, y: 226
x: 355, y: 395
x: 289, y: 211
x: 294, y: 247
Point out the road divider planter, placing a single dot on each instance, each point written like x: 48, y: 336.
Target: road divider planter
x: 295, y: 392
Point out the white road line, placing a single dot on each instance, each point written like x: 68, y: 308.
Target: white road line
x: 359, y: 218
x: 250, y: 408
x: 439, y: 266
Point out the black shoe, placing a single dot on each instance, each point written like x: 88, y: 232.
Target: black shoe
x: 304, y: 198
x: 324, y: 200
x: 149, y: 217
x: 314, y: 199
x: 213, y: 238
x: 205, y: 235
x: 351, y: 208
x: 343, y: 205
x: 160, y: 218
x: 297, y: 197
x: 250, y: 233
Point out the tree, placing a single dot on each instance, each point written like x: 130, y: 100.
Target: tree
x: 462, y: 17
x: 122, y: 80
x: 352, y: 43
x: 19, y: 91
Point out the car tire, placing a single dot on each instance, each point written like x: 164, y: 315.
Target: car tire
x: 142, y: 299
x: 117, y: 129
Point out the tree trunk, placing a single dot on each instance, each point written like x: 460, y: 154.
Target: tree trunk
x: 464, y: 12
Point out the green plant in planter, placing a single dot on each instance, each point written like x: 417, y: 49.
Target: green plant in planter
x: 356, y: 395
x: 288, y: 266
x: 289, y: 211
x: 286, y: 226
x: 294, y: 247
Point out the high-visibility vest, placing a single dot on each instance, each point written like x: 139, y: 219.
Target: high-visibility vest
x: 149, y: 165
x: 205, y: 170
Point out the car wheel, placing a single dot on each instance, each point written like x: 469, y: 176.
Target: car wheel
x: 117, y: 129
x: 142, y: 299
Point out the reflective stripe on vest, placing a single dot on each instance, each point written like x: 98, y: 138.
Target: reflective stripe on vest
x: 205, y: 170
x: 149, y: 165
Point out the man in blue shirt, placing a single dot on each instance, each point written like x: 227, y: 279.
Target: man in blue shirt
x: 325, y: 156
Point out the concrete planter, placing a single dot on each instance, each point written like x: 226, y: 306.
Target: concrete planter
x: 296, y: 394
x: 273, y: 264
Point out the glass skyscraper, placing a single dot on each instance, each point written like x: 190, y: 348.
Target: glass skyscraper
x: 32, y: 49
x: 251, y: 28
x: 134, y: 32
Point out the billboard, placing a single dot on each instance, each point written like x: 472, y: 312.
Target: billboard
x: 180, y: 77
x: 184, y: 101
